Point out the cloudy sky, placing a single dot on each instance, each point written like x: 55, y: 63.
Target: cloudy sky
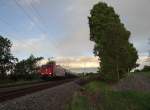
x: 59, y: 28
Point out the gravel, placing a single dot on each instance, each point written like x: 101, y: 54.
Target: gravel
x: 50, y: 99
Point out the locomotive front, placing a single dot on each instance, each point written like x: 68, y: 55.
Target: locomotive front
x: 47, y: 70
x: 51, y: 70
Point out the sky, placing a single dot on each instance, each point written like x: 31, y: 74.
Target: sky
x: 59, y: 28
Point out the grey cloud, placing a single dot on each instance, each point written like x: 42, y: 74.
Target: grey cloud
x: 70, y: 18
x: 74, y: 62
x: 134, y: 14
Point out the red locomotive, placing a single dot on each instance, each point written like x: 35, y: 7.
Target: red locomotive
x: 52, y: 70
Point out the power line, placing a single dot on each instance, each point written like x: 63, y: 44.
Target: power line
x: 7, y: 23
x: 25, y: 12
x: 37, y: 13
x: 40, y: 19
x: 31, y: 19
x: 10, y: 26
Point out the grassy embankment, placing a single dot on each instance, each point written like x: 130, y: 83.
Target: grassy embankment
x: 98, y: 95
x: 10, y: 83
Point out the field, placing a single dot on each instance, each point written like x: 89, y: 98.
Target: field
x: 131, y: 93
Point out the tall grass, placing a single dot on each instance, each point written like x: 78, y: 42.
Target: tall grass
x: 100, y: 96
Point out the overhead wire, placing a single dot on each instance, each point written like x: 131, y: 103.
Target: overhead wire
x: 29, y: 16
x: 37, y: 13
x: 9, y: 25
x: 40, y: 19
x: 35, y: 22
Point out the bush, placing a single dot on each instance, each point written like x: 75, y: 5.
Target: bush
x: 137, y: 70
x: 146, y: 69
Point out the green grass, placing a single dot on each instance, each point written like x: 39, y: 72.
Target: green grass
x: 147, y: 74
x: 78, y: 103
x: 128, y: 100
x: 143, y: 73
x: 96, y: 86
x: 10, y: 83
x: 105, y: 98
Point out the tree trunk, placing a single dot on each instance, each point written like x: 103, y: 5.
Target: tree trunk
x: 118, y: 76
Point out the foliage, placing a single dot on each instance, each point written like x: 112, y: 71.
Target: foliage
x: 97, y: 86
x: 100, y: 96
x: 136, y: 70
x: 7, y: 60
x: 78, y: 103
x: 26, y: 69
x: 117, y: 56
x: 146, y: 69
x: 50, y: 62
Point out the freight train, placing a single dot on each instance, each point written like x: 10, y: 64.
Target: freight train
x: 52, y: 70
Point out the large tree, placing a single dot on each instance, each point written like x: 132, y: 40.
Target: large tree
x: 117, y: 55
x: 7, y: 60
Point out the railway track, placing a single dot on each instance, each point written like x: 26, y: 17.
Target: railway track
x: 14, y: 93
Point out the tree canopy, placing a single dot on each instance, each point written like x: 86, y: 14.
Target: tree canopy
x: 7, y: 60
x: 117, y: 55
x: 26, y: 69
